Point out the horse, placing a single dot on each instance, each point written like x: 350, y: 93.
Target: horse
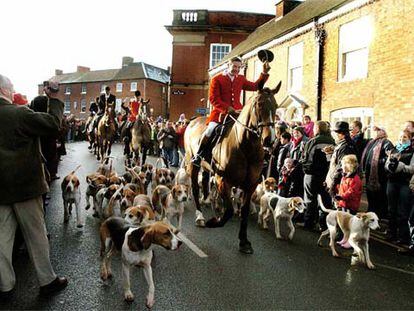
x: 237, y: 160
x: 141, y: 140
x: 91, y: 134
x: 106, y: 133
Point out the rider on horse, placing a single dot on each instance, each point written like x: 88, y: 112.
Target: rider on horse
x: 224, y: 95
x: 106, y: 100
x: 135, y: 110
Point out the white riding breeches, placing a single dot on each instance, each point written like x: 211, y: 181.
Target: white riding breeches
x: 210, y: 128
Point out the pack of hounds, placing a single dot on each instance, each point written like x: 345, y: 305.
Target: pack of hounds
x: 132, y: 222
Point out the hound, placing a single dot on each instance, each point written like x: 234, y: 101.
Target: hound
x: 135, y: 244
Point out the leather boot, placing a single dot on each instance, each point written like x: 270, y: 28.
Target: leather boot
x: 203, y: 150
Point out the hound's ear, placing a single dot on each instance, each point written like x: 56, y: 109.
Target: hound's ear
x: 361, y: 215
x: 147, y: 238
x: 77, y: 183
x: 174, y: 194
x: 172, y: 175
x: 277, y: 88
x: 134, y: 242
x: 292, y: 204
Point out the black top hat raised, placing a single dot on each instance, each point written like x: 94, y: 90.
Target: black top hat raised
x: 265, y: 56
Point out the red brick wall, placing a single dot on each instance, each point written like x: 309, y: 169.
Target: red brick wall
x: 190, y: 62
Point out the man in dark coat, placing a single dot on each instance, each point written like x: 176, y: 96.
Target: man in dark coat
x: 21, y: 199
x: 315, y: 166
x: 107, y: 100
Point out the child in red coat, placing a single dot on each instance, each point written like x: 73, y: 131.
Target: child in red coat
x: 350, y: 189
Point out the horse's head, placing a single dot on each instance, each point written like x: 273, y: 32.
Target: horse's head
x: 264, y: 112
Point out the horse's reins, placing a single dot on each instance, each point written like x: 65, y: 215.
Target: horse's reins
x: 255, y: 129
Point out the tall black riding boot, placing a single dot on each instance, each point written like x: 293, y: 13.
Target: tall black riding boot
x: 203, y: 150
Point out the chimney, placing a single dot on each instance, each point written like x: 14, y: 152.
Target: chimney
x: 126, y: 61
x: 83, y: 69
x: 58, y: 72
x: 283, y: 7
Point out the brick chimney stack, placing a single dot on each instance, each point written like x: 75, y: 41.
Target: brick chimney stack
x: 126, y: 60
x: 283, y: 7
x: 83, y: 69
x: 58, y: 72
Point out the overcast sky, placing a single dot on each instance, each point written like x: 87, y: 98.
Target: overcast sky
x: 41, y: 36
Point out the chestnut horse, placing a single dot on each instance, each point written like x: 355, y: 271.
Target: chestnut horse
x: 237, y: 159
x: 106, y: 133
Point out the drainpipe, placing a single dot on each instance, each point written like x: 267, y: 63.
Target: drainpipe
x: 244, y: 92
x: 320, y: 35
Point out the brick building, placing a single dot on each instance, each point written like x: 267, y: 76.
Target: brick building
x: 339, y: 60
x: 201, y: 39
x: 79, y: 89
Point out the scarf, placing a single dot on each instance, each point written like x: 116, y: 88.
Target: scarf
x: 373, y: 183
x: 297, y: 141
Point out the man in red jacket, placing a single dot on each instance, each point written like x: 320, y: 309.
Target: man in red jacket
x: 224, y: 95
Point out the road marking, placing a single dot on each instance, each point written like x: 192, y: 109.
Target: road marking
x: 192, y: 246
x: 395, y: 269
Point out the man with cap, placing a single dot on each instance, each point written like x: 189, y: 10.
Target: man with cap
x: 344, y: 146
x: 224, y: 95
x: 21, y: 199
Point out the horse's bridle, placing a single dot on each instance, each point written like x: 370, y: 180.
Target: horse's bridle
x: 257, y: 130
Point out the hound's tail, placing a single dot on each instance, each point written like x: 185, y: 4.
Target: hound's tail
x: 73, y: 172
x: 326, y: 210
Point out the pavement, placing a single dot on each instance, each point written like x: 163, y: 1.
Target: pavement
x: 279, y: 275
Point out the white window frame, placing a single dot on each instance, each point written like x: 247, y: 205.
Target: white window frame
x: 212, y: 45
x: 295, y: 64
x: 355, y: 113
x: 354, y: 37
x: 134, y: 86
x: 119, y: 87
x: 83, y: 88
x: 118, y: 104
x: 68, y: 89
x: 67, y: 102
x: 83, y: 105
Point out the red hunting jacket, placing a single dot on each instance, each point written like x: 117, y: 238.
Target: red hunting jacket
x: 224, y: 93
x: 350, y: 190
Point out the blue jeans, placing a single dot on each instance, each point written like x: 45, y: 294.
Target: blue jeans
x: 176, y: 158
x: 399, y: 206
x: 168, y: 156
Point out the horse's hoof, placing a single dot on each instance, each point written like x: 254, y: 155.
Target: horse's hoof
x: 200, y: 223
x: 213, y: 223
x: 246, y: 248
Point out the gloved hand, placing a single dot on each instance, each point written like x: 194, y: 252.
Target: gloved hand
x: 338, y: 198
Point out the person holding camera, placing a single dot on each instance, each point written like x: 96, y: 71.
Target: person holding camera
x: 21, y: 199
